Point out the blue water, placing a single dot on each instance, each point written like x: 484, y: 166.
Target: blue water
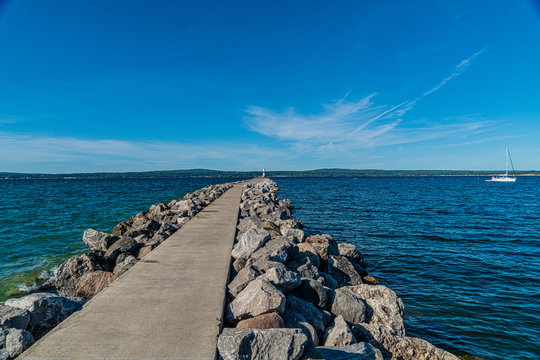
x: 464, y: 254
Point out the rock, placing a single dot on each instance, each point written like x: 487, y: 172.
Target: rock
x: 359, y: 351
x: 343, y: 271
x: 182, y: 220
x: 339, y: 334
x: 259, y: 297
x: 304, y: 267
x: 17, y: 341
x: 346, y: 304
x: 93, y: 282
x: 249, y: 242
x: 264, y: 321
x: 296, y: 320
x: 295, y: 235
x: 46, y: 310
x: 4, y: 355
x: 312, y: 291
x: 124, y: 245
x: 121, y: 228
x: 97, y: 240
x: 12, y: 317
x: 384, y: 308
x: 125, y: 265
x: 237, y: 265
x: 318, y: 318
x: 328, y: 280
x: 145, y: 250
x: 324, y: 244
x: 283, y: 279
x: 277, y: 249
x: 306, y: 249
x: 265, y: 265
x: 242, y: 279
x: 272, y: 228
x: 269, y: 344
x: 350, y: 251
x: 75, y: 267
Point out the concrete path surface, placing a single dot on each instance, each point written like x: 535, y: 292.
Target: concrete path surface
x: 168, y: 306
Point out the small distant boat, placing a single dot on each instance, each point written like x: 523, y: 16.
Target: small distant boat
x: 505, y: 177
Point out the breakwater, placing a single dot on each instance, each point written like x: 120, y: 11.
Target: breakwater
x: 292, y: 296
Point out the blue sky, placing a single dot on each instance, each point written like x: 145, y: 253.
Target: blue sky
x: 137, y: 85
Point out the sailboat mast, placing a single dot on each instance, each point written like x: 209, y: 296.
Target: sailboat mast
x: 506, y: 161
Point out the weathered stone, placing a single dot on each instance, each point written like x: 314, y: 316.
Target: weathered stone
x: 272, y: 228
x: 17, y: 341
x: 312, y: 291
x: 359, y: 351
x: 75, y: 267
x: 242, y: 279
x: 346, y: 304
x: 182, y: 220
x: 11, y: 317
x: 339, y: 334
x: 343, y: 271
x: 283, y: 279
x: 295, y: 235
x: 121, y: 228
x: 304, y: 267
x: 249, y: 242
x: 237, y: 265
x: 264, y: 321
x: 124, y: 245
x: 145, y: 250
x: 296, y: 320
x: 318, y: 318
x: 277, y: 249
x: 268, y: 344
x: 324, y: 244
x: 46, y: 310
x: 265, y: 265
x: 125, y: 265
x: 328, y: 280
x: 384, y: 308
x: 93, y: 282
x: 258, y: 297
x: 350, y: 251
x: 306, y: 249
x: 97, y: 240
x: 4, y: 355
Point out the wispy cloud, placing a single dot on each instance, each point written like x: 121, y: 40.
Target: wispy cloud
x: 344, y: 125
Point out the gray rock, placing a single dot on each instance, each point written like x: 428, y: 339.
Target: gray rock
x: 295, y: 320
x: 46, y: 310
x: 4, y: 355
x: 328, y: 280
x: 182, y: 220
x: 304, y: 267
x: 272, y: 228
x: 265, y: 265
x: 249, y: 223
x: 256, y: 344
x: 242, y: 279
x: 277, y: 249
x: 75, y: 267
x: 345, y: 303
x: 283, y: 279
x: 97, y: 240
x: 318, y: 318
x: 124, y: 245
x: 258, y: 297
x: 359, y: 351
x: 339, y: 334
x: 249, y: 242
x: 341, y: 269
x: 324, y: 244
x: 11, y: 317
x: 312, y: 291
x: 125, y: 265
x: 350, y: 251
x: 17, y: 341
x: 237, y: 265
x: 295, y: 235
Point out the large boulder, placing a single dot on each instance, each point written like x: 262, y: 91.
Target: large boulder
x: 341, y: 269
x: 265, y: 321
x: 324, y: 244
x: 295, y: 235
x: 242, y: 279
x: 124, y: 245
x: 249, y: 242
x: 272, y: 228
x: 75, y: 267
x: 125, y: 265
x: 93, y: 282
x: 307, y: 250
x: 312, y: 291
x: 12, y: 317
x: 259, y: 297
x: 350, y: 251
x: 346, y: 304
x: 294, y: 320
x: 269, y: 344
x: 339, y: 334
x: 4, y: 355
x: 278, y: 249
x: 359, y: 351
x: 17, y: 341
x: 282, y: 279
x: 265, y: 265
x: 97, y: 240
x: 318, y: 318
x: 46, y: 310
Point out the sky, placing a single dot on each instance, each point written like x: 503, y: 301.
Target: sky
x: 129, y: 85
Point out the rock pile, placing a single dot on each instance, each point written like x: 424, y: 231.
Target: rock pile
x: 24, y: 320
x: 294, y: 296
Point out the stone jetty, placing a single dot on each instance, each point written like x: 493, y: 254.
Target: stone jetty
x: 225, y: 272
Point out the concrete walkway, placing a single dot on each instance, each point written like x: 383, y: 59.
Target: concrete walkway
x: 168, y: 306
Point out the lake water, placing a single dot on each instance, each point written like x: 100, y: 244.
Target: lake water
x: 464, y: 254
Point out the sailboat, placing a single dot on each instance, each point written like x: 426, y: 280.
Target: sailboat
x: 505, y: 177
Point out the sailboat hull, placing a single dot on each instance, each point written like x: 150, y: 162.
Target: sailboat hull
x: 502, y: 179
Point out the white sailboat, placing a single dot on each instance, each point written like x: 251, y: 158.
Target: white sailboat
x: 505, y: 177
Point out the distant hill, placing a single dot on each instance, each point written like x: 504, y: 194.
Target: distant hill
x: 250, y: 174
